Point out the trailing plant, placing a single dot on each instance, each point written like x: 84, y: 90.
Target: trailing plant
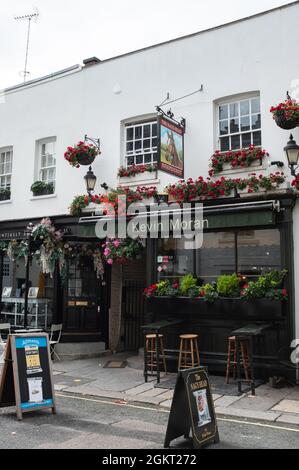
x: 237, y: 159
x: 41, y: 187
x: 228, y: 285
x: 188, y: 285
x: 4, y: 194
x: 288, y: 110
x: 295, y: 183
x: 73, y: 154
x: 78, y: 204
x: 135, y: 170
x: 122, y: 250
x: 208, y: 293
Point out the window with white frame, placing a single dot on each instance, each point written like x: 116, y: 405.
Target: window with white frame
x: 47, y: 160
x: 141, y: 142
x: 5, y: 168
x: 239, y: 124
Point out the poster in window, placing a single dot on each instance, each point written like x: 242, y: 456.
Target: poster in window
x: 171, y: 147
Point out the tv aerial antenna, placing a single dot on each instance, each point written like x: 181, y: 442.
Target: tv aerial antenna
x: 30, y: 17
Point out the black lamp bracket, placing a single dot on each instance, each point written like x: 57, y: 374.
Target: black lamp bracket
x: 169, y: 114
x: 94, y: 141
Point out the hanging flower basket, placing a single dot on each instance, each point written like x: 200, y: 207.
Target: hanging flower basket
x: 81, y: 154
x: 286, y: 114
x: 121, y: 251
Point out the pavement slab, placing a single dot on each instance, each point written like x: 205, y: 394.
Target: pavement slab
x: 138, y: 425
x: 227, y: 400
x: 247, y: 414
x: 255, y: 403
x: 287, y: 406
x: 288, y: 419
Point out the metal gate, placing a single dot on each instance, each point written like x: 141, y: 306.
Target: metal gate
x: 132, y: 314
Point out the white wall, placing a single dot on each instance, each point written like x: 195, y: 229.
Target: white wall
x: 258, y: 54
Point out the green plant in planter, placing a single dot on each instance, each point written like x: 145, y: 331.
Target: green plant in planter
x: 162, y: 288
x: 4, y: 194
x: 208, y: 293
x: 40, y: 188
x: 187, y: 283
x: 228, y: 285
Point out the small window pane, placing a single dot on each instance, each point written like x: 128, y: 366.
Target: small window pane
x: 223, y: 127
x: 139, y: 159
x: 130, y: 161
x: 235, y: 142
x: 146, y: 131
x: 246, y: 140
x: 154, y: 130
x: 130, y: 146
x: 257, y: 138
x: 234, y: 126
x: 224, y: 144
x: 256, y: 121
x: 154, y: 142
x: 245, y: 123
x: 244, y: 107
x: 138, y: 132
x: 138, y: 144
x: 234, y: 110
x: 155, y: 157
x: 147, y: 158
x: 255, y: 105
x: 146, y: 143
x: 130, y: 133
x: 223, y: 112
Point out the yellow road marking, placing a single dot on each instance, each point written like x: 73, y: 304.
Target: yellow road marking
x: 159, y: 410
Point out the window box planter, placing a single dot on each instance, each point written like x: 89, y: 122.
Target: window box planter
x: 138, y: 178
x: 39, y: 188
x: 4, y: 195
x: 223, y: 308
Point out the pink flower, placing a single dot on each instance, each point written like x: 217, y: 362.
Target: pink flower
x: 106, y: 252
x: 116, y: 243
x: 110, y: 261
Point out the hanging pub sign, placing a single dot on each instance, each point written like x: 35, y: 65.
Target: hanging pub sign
x: 170, y: 146
x: 192, y: 409
x: 26, y: 380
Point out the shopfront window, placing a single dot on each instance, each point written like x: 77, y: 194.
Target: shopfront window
x: 40, y: 298
x: 258, y: 251
x: 248, y: 252
x: 216, y: 256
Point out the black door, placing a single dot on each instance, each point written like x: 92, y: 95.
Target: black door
x: 85, y: 299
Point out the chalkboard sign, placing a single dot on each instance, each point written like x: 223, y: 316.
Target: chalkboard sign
x: 26, y: 380
x: 192, y: 409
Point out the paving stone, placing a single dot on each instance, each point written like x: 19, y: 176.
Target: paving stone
x: 136, y: 425
x: 226, y: 400
x: 287, y: 406
x: 94, y: 391
x: 140, y: 389
x: 153, y: 392
x: 60, y: 387
x: 216, y: 396
x: 256, y: 403
x: 247, y: 414
x: 288, y: 419
x: 146, y: 400
x: 166, y: 404
x: 168, y: 395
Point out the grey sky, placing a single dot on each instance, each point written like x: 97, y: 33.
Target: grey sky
x: 69, y: 31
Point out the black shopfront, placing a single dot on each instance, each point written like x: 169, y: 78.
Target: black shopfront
x: 80, y: 301
x: 247, y: 237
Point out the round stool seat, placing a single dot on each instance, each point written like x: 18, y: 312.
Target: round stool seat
x: 188, y: 336
x: 232, y: 338
x: 152, y: 336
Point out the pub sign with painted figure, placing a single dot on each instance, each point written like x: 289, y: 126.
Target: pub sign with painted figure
x: 171, y: 147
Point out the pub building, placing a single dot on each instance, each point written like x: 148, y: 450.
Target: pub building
x: 247, y: 232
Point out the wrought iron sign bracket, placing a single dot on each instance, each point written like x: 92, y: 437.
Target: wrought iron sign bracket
x: 169, y: 114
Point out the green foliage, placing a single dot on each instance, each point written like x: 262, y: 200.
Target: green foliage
x: 40, y: 187
x: 228, y: 285
x: 186, y: 283
x: 208, y: 293
x: 78, y: 203
x: 4, y: 194
x: 266, y: 285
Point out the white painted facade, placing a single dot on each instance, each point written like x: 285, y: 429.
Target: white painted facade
x: 255, y: 55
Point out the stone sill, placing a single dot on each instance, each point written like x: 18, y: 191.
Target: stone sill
x: 45, y: 196
x: 7, y: 201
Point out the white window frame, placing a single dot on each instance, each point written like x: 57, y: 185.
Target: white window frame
x: 152, y: 151
x: 41, y: 169
x: 4, y: 177
x: 238, y: 100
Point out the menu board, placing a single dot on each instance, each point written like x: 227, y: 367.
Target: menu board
x: 192, y: 410
x: 27, y: 362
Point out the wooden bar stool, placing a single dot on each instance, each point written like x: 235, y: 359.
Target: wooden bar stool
x: 189, y: 353
x: 232, y: 358
x: 154, y: 355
